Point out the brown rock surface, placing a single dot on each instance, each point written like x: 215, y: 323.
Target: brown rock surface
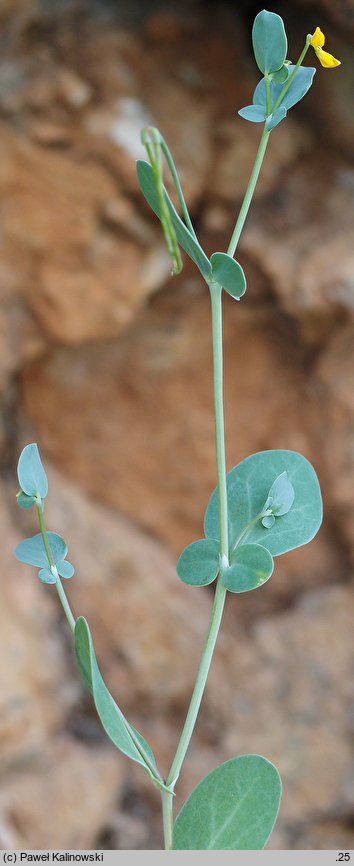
x: 62, y: 799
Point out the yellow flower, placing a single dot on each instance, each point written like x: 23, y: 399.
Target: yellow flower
x: 317, y: 41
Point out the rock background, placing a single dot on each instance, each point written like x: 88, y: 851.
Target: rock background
x: 106, y: 361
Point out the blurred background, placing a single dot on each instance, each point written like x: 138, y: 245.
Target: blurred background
x: 105, y: 361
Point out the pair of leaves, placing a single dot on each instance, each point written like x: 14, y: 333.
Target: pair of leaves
x: 274, y: 505
x: 234, y: 808
x: 250, y: 565
x: 257, y: 112
x: 126, y: 738
x: 32, y: 552
x: 270, y: 47
x: 221, y: 268
x: 32, y: 477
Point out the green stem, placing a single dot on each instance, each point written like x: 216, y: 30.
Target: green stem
x: 167, y: 815
x: 216, y: 315
x: 220, y: 592
x: 249, y: 193
x: 291, y: 77
x: 59, y: 586
x: 200, y: 683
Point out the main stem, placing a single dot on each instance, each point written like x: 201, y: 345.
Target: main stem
x: 59, y: 586
x: 220, y: 592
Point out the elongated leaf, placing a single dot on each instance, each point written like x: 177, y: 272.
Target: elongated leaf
x: 198, y: 565
x: 30, y: 471
x: 269, y: 41
x: 254, y: 113
x: 184, y: 236
x: 234, y: 808
x: 248, y: 486
x: 123, y: 735
x: 299, y: 86
x: 229, y: 274
x: 32, y: 550
x: 250, y: 566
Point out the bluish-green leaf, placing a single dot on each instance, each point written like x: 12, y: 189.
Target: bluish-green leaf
x: 282, y: 74
x: 32, y: 550
x: 46, y: 575
x: 254, y: 113
x: 251, y: 565
x: 268, y: 521
x: 65, y: 569
x: 184, y: 236
x: 298, y: 88
x: 281, y: 495
x: 229, y: 274
x: 30, y: 471
x: 248, y: 486
x: 198, y: 565
x: 234, y: 808
x: 116, y: 726
x: 25, y: 501
x: 269, y: 41
x: 275, y: 118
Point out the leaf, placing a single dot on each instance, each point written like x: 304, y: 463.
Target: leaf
x: 229, y: 274
x: 274, y: 119
x: 123, y: 735
x: 248, y: 487
x: 233, y: 808
x: 32, y: 550
x: 184, y: 236
x: 281, y: 494
x: 255, y: 113
x: 282, y: 74
x: 250, y: 566
x: 298, y: 88
x: 198, y: 565
x: 269, y: 41
x: 46, y: 575
x: 25, y: 501
x: 31, y: 474
x: 65, y: 569
x: 268, y: 521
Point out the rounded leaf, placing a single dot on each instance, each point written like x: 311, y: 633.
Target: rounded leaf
x: 248, y: 486
x: 65, y: 569
x: 274, y: 119
x: 298, y: 88
x: 269, y: 41
x: 32, y: 550
x: 46, y: 575
x: 234, y: 808
x: 229, y: 274
x: 30, y: 471
x: 198, y: 565
x: 25, y: 501
x: 251, y: 565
